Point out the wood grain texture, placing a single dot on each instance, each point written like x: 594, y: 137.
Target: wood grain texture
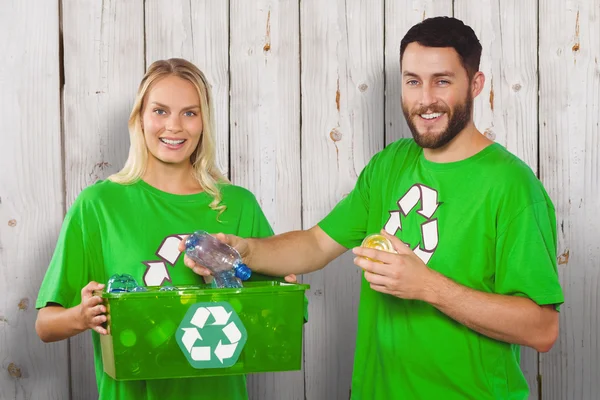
x: 315, y: 92
x: 265, y: 132
x: 342, y: 127
x: 103, y: 65
x: 31, y: 197
x: 569, y: 153
x: 399, y: 17
x: 197, y: 30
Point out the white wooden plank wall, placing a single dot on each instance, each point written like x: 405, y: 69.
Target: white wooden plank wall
x: 305, y: 93
x: 31, y: 196
x: 569, y: 152
x: 342, y: 127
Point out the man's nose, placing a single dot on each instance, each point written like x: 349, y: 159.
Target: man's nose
x: 427, y: 97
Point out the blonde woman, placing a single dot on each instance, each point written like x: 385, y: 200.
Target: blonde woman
x: 168, y: 187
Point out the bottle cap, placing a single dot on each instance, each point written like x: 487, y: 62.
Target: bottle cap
x: 191, y: 241
x: 243, y: 272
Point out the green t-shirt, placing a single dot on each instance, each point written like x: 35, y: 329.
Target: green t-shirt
x: 487, y: 223
x: 116, y: 229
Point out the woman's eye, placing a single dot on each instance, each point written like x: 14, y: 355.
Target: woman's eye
x: 190, y: 114
x: 160, y: 111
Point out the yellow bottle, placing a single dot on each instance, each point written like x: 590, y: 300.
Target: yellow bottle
x: 378, y: 242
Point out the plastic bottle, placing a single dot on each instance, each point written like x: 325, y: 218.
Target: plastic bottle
x: 123, y: 283
x: 377, y: 242
x: 221, y: 259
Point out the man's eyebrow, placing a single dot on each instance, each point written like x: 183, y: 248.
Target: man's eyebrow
x: 408, y: 73
x: 435, y: 75
x: 444, y: 73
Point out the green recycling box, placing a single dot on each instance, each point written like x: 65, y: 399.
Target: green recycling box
x: 200, y: 331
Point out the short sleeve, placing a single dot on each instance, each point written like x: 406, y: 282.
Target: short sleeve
x: 526, y: 256
x: 252, y: 222
x: 71, y: 265
x: 347, y: 222
x: 260, y: 226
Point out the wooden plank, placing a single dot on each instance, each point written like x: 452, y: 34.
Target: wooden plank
x: 103, y: 64
x: 197, y: 30
x: 342, y: 127
x: 506, y: 110
x: 265, y: 132
x: 569, y: 154
x: 31, y: 197
x: 265, y: 106
x: 400, y: 15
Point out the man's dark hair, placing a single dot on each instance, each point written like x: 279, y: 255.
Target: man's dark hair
x: 446, y: 32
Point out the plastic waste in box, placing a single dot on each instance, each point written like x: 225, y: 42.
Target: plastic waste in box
x: 198, y: 330
x: 222, y: 260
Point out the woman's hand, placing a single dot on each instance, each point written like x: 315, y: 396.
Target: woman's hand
x: 91, y: 309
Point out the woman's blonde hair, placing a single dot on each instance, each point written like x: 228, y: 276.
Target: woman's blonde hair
x: 203, y: 159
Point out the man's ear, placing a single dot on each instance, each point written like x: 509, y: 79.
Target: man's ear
x: 477, y: 83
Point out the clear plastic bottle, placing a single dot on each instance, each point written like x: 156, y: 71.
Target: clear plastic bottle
x: 221, y: 259
x: 119, y: 283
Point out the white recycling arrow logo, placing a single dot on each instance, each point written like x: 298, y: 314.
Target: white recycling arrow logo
x: 428, y: 198
x: 221, y: 337
x: 168, y: 252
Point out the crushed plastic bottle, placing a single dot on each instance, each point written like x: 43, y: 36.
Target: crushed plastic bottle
x: 378, y: 242
x: 119, y: 283
x: 221, y: 259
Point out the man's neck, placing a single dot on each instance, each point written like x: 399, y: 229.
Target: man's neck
x: 466, y: 144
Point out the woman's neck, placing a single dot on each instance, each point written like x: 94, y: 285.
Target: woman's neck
x: 171, y: 178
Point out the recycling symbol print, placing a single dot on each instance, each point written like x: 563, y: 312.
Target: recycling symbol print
x: 211, y: 335
x: 428, y: 198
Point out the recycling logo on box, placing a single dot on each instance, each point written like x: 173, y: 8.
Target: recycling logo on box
x: 211, y: 335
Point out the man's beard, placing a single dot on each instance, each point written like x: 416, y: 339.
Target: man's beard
x: 456, y: 123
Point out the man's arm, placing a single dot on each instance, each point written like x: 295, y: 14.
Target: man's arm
x: 296, y: 252
x: 507, y: 318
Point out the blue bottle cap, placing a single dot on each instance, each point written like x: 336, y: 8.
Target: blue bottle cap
x: 243, y: 272
x: 191, y: 242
